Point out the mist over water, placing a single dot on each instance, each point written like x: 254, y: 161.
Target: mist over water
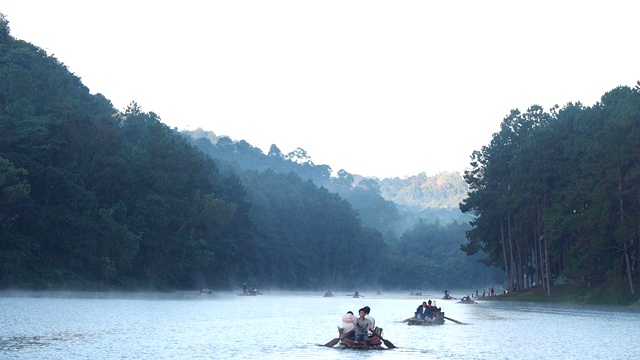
x: 288, y: 325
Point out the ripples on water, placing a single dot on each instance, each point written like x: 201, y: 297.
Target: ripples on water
x: 292, y: 325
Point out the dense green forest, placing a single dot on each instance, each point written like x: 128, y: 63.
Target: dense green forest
x: 556, y: 195
x: 96, y: 198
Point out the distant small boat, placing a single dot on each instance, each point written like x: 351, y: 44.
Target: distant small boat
x: 328, y: 294
x: 466, y: 300
x: 206, y: 292
x: 251, y: 292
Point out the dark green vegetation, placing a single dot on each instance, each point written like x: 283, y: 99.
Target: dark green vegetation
x: 598, y: 293
x: 93, y: 198
x: 556, y: 197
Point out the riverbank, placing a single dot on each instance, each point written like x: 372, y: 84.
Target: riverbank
x: 617, y: 294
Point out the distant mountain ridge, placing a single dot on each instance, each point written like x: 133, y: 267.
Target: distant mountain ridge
x: 444, y: 190
x: 419, y: 192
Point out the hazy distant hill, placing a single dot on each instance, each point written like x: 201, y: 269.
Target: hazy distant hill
x: 392, y: 206
x: 443, y: 191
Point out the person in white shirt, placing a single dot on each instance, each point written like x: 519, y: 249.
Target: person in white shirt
x: 367, y: 310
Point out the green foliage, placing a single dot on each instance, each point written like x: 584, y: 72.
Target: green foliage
x: 94, y: 198
x: 313, y: 238
x: 558, y: 192
x: 5, y: 33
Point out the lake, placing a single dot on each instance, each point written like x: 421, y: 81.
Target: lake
x: 291, y: 325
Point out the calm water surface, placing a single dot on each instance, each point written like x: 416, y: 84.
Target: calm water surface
x: 280, y: 325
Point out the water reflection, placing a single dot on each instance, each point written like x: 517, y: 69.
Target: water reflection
x: 21, y: 342
x: 294, y: 325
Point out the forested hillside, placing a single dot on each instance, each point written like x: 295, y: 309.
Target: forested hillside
x: 441, y: 191
x: 557, y: 194
x: 96, y: 198
x: 437, y: 261
x: 390, y: 205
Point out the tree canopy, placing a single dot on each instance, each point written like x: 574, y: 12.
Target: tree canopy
x: 555, y: 194
x: 96, y: 198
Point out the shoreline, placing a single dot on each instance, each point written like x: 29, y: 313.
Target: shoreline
x: 599, y: 294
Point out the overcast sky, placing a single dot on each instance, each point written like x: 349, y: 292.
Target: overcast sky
x: 378, y: 88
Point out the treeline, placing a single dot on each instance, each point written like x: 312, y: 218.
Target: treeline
x: 391, y: 206
x: 314, y: 236
x: 556, y: 194
x: 92, y: 198
x: 95, y: 198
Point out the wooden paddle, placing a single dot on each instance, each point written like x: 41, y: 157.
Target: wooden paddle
x: 405, y: 320
x: 332, y: 342
x: 455, y: 321
x: 388, y: 343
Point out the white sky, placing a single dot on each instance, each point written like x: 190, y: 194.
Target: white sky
x: 378, y: 88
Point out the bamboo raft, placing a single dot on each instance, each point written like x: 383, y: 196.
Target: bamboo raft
x: 374, y: 342
x: 438, y: 319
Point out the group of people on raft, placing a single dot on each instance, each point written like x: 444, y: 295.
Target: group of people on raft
x: 249, y: 291
x: 359, y: 330
x: 427, y: 310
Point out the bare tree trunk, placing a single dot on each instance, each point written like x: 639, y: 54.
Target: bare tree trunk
x: 626, y: 248
x: 629, y: 275
x: 546, y: 259
x: 512, y: 263
x: 504, y: 251
x: 519, y: 266
x: 540, y: 264
x: 535, y: 226
x: 538, y: 241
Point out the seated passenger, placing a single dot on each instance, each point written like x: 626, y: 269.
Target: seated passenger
x: 348, y: 325
x: 420, y: 310
x: 367, y: 311
x: 430, y: 311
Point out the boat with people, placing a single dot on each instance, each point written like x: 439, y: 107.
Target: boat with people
x: 447, y: 295
x: 345, y: 340
x: 466, y: 300
x: 360, y: 328
x: 437, y: 319
x: 250, y: 292
x: 374, y: 342
x: 428, y: 313
x: 356, y: 295
x: 328, y: 294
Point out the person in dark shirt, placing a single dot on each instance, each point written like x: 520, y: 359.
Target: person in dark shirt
x: 420, y: 310
x: 430, y: 311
